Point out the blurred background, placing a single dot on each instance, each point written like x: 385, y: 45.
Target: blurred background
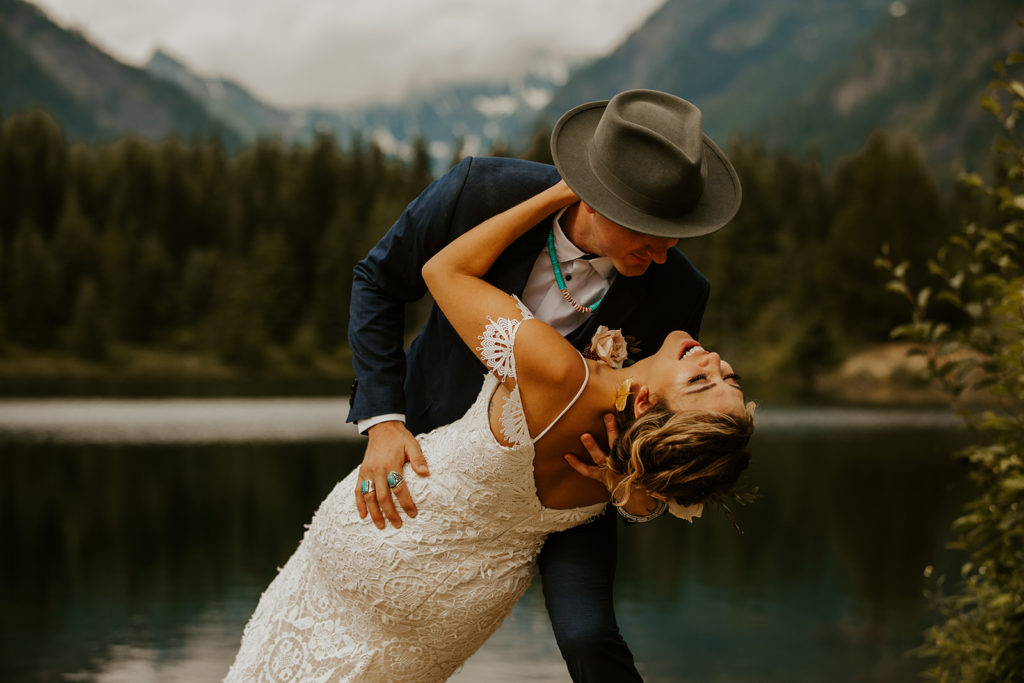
x: 185, y: 188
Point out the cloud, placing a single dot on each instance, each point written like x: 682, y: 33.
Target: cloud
x: 340, y: 52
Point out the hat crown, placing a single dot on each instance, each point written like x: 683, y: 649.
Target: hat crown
x: 648, y: 149
x: 643, y: 161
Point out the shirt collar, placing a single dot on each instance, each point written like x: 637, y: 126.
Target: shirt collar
x: 567, y: 252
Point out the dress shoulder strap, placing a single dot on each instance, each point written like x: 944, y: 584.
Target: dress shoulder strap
x: 586, y: 378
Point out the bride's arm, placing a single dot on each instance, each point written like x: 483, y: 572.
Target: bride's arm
x: 455, y: 274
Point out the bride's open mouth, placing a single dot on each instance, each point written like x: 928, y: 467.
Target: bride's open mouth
x: 689, y: 348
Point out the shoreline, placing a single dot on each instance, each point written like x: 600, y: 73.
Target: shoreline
x: 880, y: 375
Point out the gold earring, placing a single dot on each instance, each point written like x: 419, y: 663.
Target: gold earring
x: 622, y: 394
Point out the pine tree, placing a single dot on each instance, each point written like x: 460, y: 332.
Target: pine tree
x: 419, y: 172
x: 76, y: 249
x: 198, y: 279
x: 335, y: 258
x: 88, y: 337
x: 32, y: 311
x: 32, y: 172
x: 149, y: 295
x: 275, y: 275
x: 884, y: 194
x: 539, y: 149
x: 234, y: 329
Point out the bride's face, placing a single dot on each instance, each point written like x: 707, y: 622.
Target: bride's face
x: 688, y: 377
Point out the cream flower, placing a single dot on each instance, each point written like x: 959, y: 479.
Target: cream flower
x: 687, y: 512
x: 609, y: 346
x: 325, y: 640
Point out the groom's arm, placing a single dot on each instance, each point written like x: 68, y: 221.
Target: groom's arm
x: 384, y: 283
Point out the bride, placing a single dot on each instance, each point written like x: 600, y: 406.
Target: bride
x: 413, y: 603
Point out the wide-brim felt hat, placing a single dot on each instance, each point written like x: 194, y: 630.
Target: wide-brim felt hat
x: 642, y: 161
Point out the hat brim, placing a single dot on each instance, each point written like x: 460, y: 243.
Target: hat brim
x: 718, y: 203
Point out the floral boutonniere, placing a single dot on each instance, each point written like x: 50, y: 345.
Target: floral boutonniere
x: 607, y: 346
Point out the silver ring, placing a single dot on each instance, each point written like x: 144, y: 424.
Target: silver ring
x: 366, y: 486
x: 394, y: 479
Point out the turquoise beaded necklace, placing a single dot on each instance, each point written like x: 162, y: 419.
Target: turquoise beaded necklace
x: 560, y: 281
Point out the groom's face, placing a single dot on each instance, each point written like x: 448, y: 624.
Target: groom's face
x: 631, y: 252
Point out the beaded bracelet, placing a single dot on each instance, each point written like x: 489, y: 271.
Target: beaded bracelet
x: 630, y: 517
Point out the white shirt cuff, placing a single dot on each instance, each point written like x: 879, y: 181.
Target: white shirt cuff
x: 363, y: 425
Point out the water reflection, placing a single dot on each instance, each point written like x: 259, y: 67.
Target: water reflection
x: 204, y: 421
x: 151, y: 421
x: 142, y: 562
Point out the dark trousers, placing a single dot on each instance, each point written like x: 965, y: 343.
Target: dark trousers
x: 577, y: 568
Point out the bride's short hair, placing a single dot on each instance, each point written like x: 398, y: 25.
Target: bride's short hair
x: 689, y: 456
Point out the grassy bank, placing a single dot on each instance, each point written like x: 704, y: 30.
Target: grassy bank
x: 141, y: 372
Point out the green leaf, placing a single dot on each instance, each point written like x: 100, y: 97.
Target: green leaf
x: 1004, y: 146
x: 1015, y: 58
x: 990, y: 105
x: 972, y: 179
x: 911, y: 331
x: 896, y: 286
x: 939, y: 331
x: 923, y: 297
x: 1001, y: 600
x: 1017, y: 88
x: 1014, y: 483
x: 949, y: 297
x: 959, y: 241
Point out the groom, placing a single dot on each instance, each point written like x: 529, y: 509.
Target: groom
x: 646, y: 176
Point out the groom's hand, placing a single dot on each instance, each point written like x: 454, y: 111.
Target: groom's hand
x: 390, y: 445
x: 598, y: 471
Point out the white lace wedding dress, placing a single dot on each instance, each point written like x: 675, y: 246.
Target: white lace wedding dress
x: 412, y: 604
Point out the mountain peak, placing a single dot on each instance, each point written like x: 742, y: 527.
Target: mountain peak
x: 163, y: 61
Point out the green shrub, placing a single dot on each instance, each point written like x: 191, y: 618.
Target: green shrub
x: 979, y: 274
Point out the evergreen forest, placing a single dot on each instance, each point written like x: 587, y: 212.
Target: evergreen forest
x: 182, y: 259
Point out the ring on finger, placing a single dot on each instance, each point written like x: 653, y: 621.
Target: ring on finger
x: 366, y: 486
x: 394, y: 479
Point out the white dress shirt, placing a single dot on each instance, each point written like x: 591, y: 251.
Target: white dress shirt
x: 586, y: 280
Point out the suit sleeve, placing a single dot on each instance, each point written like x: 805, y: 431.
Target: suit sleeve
x: 384, y: 282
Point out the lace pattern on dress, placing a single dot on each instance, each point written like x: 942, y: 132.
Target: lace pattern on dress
x: 513, y: 419
x: 408, y: 605
x: 496, y: 351
x: 496, y: 347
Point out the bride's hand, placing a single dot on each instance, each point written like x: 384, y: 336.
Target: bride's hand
x: 565, y: 195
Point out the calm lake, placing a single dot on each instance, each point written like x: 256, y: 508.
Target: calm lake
x: 137, y: 536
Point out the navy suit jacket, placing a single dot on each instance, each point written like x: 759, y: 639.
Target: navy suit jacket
x: 437, y: 379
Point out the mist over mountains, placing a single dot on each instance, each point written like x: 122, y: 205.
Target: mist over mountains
x: 92, y: 95
x: 802, y: 75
